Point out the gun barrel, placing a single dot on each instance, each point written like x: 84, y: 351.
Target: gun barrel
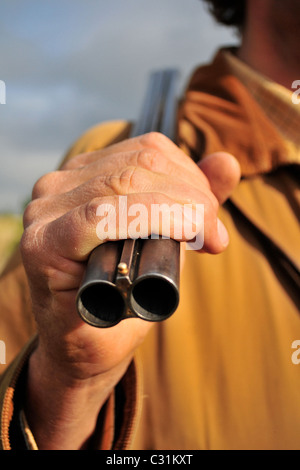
x: 144, y: 286
x: 136, y: 278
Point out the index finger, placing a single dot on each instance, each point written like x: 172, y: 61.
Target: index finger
x: 152, y: 140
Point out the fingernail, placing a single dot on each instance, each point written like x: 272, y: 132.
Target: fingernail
x: 223, y: 234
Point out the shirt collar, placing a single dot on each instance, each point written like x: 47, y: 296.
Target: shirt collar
x: 275, y: 100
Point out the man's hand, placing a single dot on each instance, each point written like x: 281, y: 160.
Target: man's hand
x: 75, y: 366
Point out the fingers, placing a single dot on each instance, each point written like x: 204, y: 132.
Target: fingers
x: 153, y: 152
x: 60, y: 182
x: 127, y: 180
x: 223, y: 173
x: 72, y: 237
x: 152, y: 141
x: 77, y: 232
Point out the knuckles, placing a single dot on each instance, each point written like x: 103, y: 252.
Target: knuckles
x: 33, y: 212
x: 127, y: 181
x: 150, y: 159
x: 90, y: 210
x: 44, y: 183
x: 154, y: 140
x: 30, y: 242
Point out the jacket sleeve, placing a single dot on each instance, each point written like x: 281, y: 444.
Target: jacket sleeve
x: 115, y: 422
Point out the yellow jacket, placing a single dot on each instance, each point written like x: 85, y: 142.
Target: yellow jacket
x: 221, y: 373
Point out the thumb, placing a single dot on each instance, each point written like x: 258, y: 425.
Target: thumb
x: 223, y: 173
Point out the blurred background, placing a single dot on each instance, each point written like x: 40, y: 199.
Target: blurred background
x: 68, y: 65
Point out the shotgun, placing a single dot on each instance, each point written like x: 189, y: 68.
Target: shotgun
x: 136, y: 278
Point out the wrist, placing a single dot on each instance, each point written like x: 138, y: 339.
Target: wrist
x: 62, y: 410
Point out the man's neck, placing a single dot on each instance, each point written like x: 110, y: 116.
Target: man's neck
x: 270, y: 51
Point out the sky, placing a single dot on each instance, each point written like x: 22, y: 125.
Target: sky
x: 70, y: 64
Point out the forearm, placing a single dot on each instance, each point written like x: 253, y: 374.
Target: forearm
x: 62, y: 412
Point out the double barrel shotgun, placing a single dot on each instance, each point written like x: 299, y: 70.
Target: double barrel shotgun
x: 136, y: 277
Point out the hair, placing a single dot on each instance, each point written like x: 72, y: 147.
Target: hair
x: 228, y: 12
